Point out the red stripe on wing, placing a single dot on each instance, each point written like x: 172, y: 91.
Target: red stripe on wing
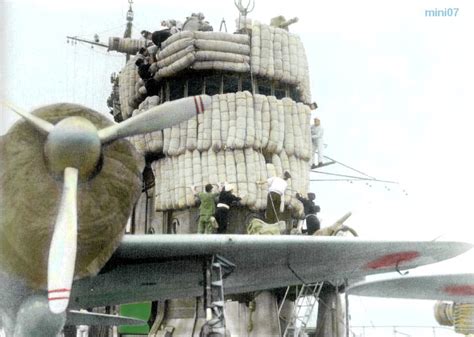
x: 392, y: 260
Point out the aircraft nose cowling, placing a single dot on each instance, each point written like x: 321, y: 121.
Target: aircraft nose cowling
x: 31, y: 197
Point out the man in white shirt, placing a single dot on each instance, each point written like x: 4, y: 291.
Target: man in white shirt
x: 275, y: 198
x: 317, y: 133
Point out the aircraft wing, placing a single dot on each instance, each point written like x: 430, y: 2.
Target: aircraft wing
x: 150, y: 267
x: 449, y: 287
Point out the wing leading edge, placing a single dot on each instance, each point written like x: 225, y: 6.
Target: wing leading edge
x: 150, y: 267
x: 449, y: 287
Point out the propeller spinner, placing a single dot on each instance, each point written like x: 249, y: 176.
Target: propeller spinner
x: 73, y: 151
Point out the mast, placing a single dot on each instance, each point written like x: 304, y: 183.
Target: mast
x: 128, y: 29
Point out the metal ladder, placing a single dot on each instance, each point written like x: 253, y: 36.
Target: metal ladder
x: 215, y: 272
x: 303, y: 308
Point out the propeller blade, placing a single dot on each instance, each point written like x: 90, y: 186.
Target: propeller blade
x: 157, y: 118
x: 62, y: 253
x: 40, y: 124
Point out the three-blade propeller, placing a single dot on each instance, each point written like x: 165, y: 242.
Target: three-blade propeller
x: 72, y: 152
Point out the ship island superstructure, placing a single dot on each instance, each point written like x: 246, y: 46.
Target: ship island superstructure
x: 258, y: 126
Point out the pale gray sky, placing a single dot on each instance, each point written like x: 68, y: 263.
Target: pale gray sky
x: 393, y: 86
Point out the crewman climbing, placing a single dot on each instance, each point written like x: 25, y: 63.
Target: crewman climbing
x: 225, y: 202
x: 275, y: 199
x: 311, y: 223
x: 206, y: 209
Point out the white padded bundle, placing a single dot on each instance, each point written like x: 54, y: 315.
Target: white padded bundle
x: 126, y: 45
x: 221, y: 36
x: 251, y: 166
x: 204, y: 50
x: 127, y: 79
x: 216, y: 124
x: 289, y: 139
x: 241, y: 120
x: 255, y: 48
x: 250, y: 125
x: 226, y: 144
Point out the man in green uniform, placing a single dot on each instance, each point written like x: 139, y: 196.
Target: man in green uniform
x: 206, y: 209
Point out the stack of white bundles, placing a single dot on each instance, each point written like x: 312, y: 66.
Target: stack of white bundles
x: 278, y: 53
x: 255, y: 48
x: 216, y: 142
x: 191, y: 136
x: 174, y: 141
x: 230, y: 170
x: 197, y: 170
x: 285, y: 54
x: 188, y: 177
x: 127, y: 79
x: 250, y: 127
x: 169, y: 60
x: 241, y: 175
x: 232, y: 121
x: 221, y: 51
x: 223, y: 46
x: 241, y: 114
x: 266, y: 50
x: 176, y: 54
x: 204, y: 169
x: 257, y: 102
x: 181, y: 182
x: 175, y: 47
x: 212, y: 167
x: 281, y: 121
x: 289, y: 140
x: 297, y: 132
x: 221, y: 170
x: 250, y: 158
x: 265, y: 121
x: 224, y: 118
x: 293, y: 46
x: 275, y: 126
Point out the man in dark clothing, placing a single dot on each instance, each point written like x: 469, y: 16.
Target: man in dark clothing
x: 312, y: 221
x: 160, y: 36
x: 310, y: 211
x: 225, y: 201
x: 143, y: 69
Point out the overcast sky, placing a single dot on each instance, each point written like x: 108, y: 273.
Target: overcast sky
x: 394, y: 89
